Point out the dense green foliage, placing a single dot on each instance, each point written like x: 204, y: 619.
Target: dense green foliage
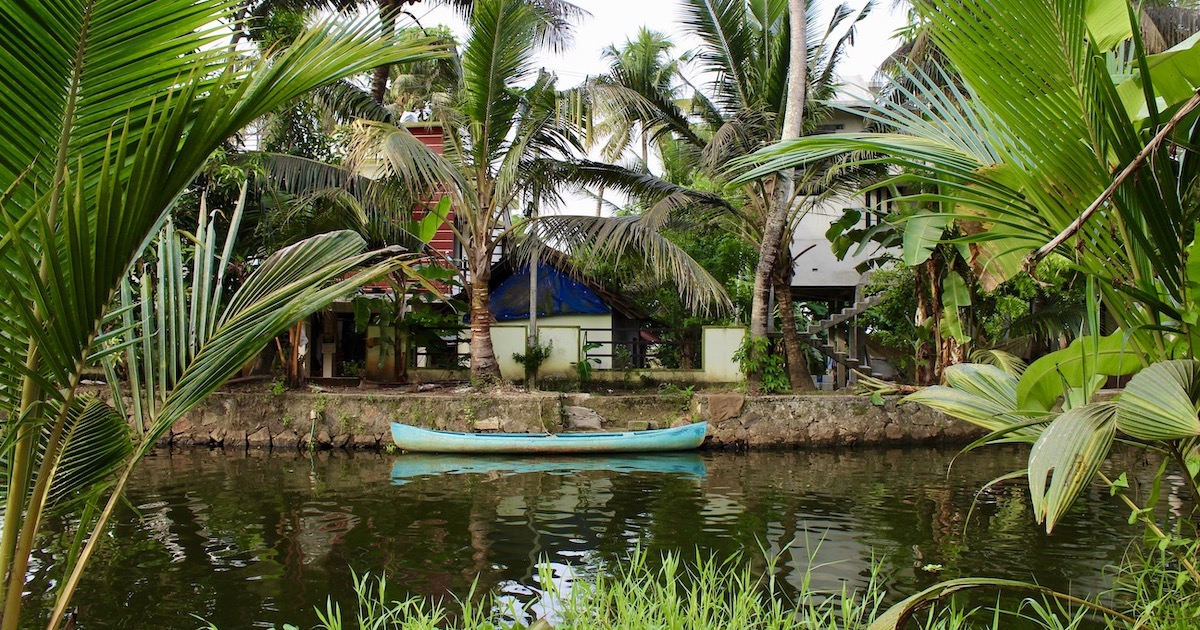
x: 1023, y: 317
x: 1025, y: 169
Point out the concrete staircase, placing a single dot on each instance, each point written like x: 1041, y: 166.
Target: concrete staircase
x: 812, y: 334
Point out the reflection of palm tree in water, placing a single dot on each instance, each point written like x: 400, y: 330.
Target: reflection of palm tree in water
x: 945, y: 519
x: 479, y: 526
x: 308, y: 538
x: 293, y: 550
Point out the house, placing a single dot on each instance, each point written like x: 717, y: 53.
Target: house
x: 580, y: 321
x: 818, y: 275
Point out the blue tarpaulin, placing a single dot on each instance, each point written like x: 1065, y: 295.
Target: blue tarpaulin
x: 558, y: 294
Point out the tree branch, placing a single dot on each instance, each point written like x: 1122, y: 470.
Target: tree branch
x: 1032, y: 259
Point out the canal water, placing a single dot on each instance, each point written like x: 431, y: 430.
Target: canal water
x: 261, y: 539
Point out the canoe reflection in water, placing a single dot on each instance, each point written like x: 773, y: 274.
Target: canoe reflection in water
x: 415, y: 465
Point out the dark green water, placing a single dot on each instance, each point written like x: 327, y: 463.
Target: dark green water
x: 260, y: 540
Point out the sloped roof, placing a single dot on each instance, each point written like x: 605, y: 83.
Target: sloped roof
x: 560, y: 263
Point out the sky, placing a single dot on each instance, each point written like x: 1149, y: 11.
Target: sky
x: 614, y: 21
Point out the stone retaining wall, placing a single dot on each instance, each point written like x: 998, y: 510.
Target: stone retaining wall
x: 825, y: 420
x: 293, y: 420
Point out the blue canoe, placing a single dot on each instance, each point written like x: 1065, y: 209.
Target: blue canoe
x: 419, y: 440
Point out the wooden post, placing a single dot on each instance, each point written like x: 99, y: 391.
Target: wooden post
x: 532, y: 342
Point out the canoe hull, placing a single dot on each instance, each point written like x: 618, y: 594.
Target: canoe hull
x: 418, y: 440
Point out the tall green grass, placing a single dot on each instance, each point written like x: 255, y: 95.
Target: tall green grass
x: 671, y: 594
x: 1152, y: 586
x: 707, y: 593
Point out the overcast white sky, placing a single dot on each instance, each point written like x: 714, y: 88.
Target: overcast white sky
x: 614, y: 21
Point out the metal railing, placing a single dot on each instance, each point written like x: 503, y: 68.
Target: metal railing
x: 644, y: 348
x: 444, y: 348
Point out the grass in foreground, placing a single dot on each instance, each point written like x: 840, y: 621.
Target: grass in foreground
x: 706, y: 594
x: 732, y: 595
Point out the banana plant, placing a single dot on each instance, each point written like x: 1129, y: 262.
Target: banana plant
x: 109, y: 108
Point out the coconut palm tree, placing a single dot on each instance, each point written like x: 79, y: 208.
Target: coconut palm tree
x: 747, y: 48
x: 508, y: 134
x: 118, y: 107
x: 643, y: 63
x: 554, y: 21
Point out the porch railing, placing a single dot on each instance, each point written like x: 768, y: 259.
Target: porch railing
x: 644, y: 348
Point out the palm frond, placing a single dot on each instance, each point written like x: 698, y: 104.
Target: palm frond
x: 728, y: 52
x: 1010, y: 363
x: 348, y: 102
x: 119, y: 107
x: 555, y: 19
x: 498, y: 54
x: 615, y: 236
x: 663, y: 197
x: 394, y: 155
x: 94, y: 444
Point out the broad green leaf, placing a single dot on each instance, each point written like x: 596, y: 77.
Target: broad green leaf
x: 428, y: 226
x: 951, y: 326
x: 1066, y: 457
x: 1161, y: 402
x: 922, y: 233
x: 955, y: 295
x: 1047, y: 379
x: 983, y: 395
x: 850, y: 218
x: 1108, y: 23
x: 1175, y: 75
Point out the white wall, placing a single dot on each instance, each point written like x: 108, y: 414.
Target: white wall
x: 818, y: 266
x: 565, y: 332
x: 508, y: 338
x: 720, y: 344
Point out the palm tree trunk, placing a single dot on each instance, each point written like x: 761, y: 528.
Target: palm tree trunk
x: 797, y: 358
x: 777, y: 208
x: 293, y: 368
x: 379, y: 81
x: 927, y: 315
x: 379, y: 78
x: 484, y: 367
